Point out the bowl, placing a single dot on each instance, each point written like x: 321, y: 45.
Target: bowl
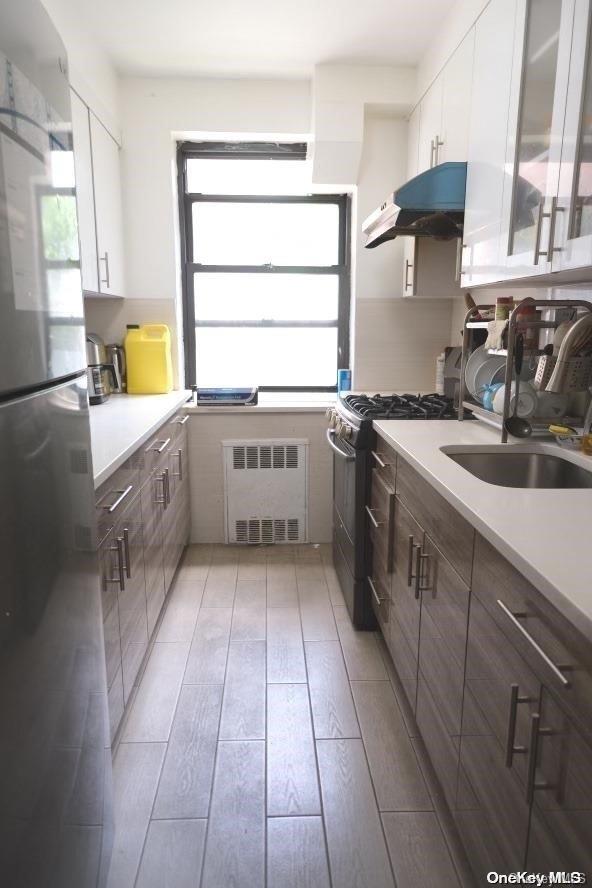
x: 527, y: 400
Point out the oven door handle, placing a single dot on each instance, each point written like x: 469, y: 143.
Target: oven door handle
x: 333, y: 446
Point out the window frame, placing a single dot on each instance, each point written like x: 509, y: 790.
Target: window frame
x: 265, y: 151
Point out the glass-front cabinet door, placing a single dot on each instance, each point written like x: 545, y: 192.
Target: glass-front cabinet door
x: 537, y: 108
x: 574, y: 222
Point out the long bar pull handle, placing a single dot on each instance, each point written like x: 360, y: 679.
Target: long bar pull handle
x: 376, y: 523
x: 181, y: 420
x: 554, y: 669
x: 552, y: 223
x: 120, y: 578
x: 511, y: 748
x: 418, y: 564
x: 459, y: 257
x: 410, y: 559
x: 163, y: 445
x: 167, y: 488
x: 539, y: 227
x: 122, y: 495
x: 105, y: 258
x: 432, y: 153
x: 408, y: 284
x: 533, y: 748
x: 438, y: 143
x: 128, y: 562
x: 161, y: 478
x: 179, y: 474
x: 379, y: 599
x: 377, y: 457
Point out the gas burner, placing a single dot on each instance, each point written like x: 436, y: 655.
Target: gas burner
x: 406, y: 406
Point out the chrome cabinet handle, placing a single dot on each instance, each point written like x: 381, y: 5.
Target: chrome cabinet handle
x: 179, y: 474
x: 377, y: 597
x: 459, y: 254
x: 551, y: 248
x: 555, y: 670
x: 438, y: 143
x: 539, y: 226
x: 432, y: 153
x: 120, y: 578
x: 410, y: 559
x: 380, y: 461
x: 181, y: 420
x: 128, y: 563
x: 164, y: 442
x: 161, y: 477
x: 408, y: 265
x: 167, y: 488
x: 105, y: 259
x: 376, y: 523
x: 122, y: 495
x: 535, y: 733
x: 419, y: 556
x: 511, y: 748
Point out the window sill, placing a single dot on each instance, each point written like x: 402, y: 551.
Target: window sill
x: 276, y: 402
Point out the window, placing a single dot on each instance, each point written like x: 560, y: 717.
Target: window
x: 265, y: 269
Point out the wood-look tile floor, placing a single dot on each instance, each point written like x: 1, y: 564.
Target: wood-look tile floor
x: 268, y: 744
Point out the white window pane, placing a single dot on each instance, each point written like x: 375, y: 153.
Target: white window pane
x: 227, y: 356
x: 271, y: 297
x: 259, y: 233
x: 249, y: 176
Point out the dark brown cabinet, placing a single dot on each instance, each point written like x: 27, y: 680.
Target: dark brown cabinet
x: 500, y: 683
x: 143, y: 518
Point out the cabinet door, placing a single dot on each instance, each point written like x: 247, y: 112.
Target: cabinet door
x: 573, y: 235
x: 442, y: 647
x: 152, y: 511
x: 406, y: 600
x: 85, y: 199
x: 107, y: 190
x: 111, y: 579
x: 456, y: 102
x: 430, y: 126
x: 483, y: 259
x: 133, y: 625
x: 537, y: 110
x: 501, y: 693
x: 560, y: 836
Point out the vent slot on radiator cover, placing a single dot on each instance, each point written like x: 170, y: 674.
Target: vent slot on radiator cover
x: 266, y: 496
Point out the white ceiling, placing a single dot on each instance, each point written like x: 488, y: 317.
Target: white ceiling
x: 284, y: 38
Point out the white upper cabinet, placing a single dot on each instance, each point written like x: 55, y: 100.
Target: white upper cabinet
x: 457, y: 84
x: 87, y: 231
x: 573, y: 236
x: 537, y: 110
x: 483, y: 253
x: 108, y: 212
x: 430, y: 126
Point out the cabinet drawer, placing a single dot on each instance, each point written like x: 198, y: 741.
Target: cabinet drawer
x: 384, y: 461
x: 113, y: 496
x: 380, y: 597
x: 550, y: 644
x: 439, y: 519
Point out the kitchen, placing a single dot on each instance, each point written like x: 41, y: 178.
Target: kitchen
x: 277, y: 635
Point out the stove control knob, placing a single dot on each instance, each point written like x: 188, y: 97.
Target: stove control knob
x: 338, y: 426
x: 346, y: 432
x: 332, y: 417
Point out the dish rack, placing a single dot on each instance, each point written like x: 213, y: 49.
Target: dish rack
x: 577, y: 372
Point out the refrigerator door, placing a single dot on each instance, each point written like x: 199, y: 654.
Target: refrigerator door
x: 41, y: 313
x: 55, y: 778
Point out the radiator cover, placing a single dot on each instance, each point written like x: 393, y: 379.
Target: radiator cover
x: 266, y: 491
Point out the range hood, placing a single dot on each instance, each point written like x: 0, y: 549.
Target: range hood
x: 430, y: 205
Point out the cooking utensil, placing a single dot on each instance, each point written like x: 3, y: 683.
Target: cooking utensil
x: 516, y: 425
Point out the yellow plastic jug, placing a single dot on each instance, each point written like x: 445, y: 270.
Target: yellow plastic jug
x: 148, y: 359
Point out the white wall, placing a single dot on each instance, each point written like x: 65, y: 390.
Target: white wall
x: 91, y: 73
x: 206, y: 434
x: 152, y: 112
x: 395, y: 341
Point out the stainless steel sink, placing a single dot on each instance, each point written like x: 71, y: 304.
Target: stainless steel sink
x: 511, y: 468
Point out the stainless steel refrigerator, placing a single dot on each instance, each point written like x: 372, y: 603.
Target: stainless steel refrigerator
x: 55, y: 762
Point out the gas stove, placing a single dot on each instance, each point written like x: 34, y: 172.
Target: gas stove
x: 351, y: 419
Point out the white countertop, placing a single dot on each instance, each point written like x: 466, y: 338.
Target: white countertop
x: 545, y: 534
x: 123, y: 423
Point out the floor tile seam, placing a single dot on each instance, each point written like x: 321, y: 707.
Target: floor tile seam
x: 145, y: 838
